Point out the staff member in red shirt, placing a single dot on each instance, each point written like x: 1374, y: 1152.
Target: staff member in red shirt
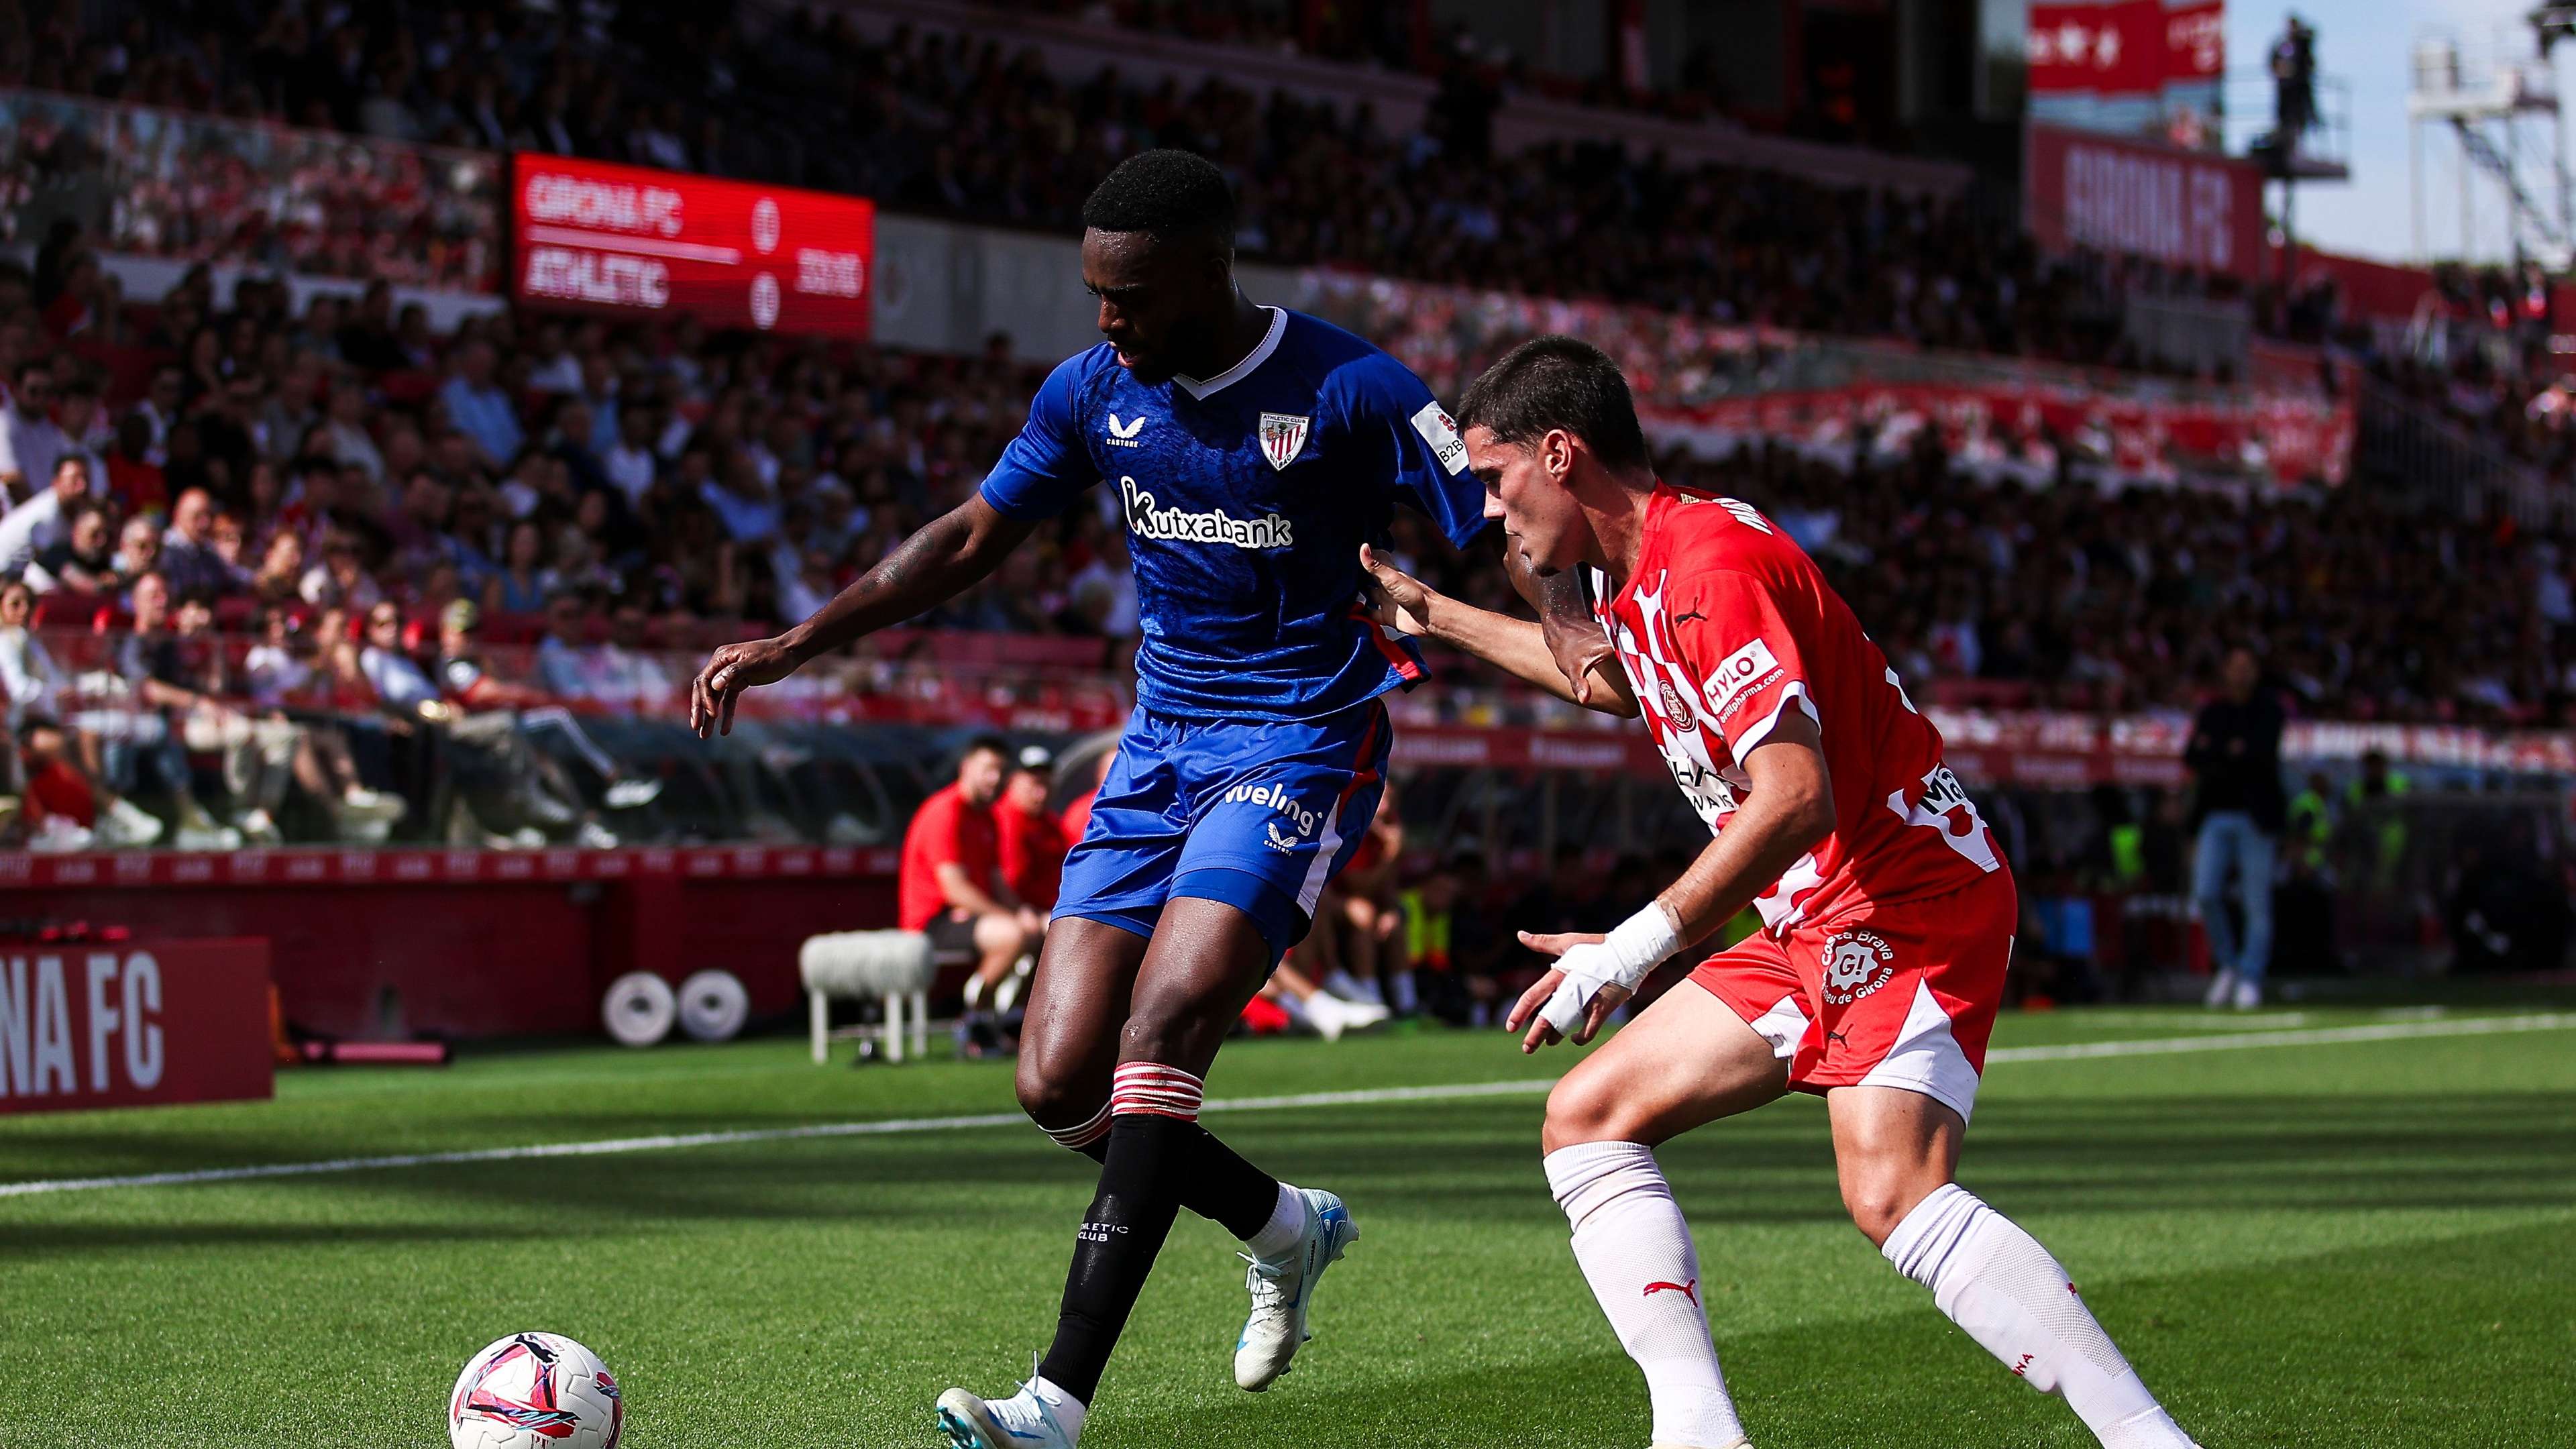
x: 951, y: 888
x: 1033, y: 841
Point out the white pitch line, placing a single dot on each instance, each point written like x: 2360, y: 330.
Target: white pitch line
x: 1370, y: 1096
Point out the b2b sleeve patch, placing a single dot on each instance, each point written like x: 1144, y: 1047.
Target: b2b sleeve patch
x: 1442, y: 435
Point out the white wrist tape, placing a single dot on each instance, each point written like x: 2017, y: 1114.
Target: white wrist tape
x: 1633, y: 948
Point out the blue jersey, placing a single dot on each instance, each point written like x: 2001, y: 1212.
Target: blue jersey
x: 1246, y: 499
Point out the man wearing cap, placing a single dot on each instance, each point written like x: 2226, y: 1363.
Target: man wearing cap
x: 1033, y: 841
x: 951, y: 886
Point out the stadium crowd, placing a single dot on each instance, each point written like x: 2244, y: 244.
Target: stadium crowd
x: 933, y: 123
x: 337, y: 480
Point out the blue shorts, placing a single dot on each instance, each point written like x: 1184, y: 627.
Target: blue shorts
x: 1259, y: 814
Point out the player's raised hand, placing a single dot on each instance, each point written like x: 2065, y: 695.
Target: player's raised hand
x: 1531, y: 1008
x: 731, y: 670
x: 1397, y: 600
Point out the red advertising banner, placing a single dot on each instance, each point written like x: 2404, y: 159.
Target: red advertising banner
x: 2195, y: 41
x: 133, y: 1024
x: 594, y: 236
x: 2108, y: 50
x: 2181, y: 208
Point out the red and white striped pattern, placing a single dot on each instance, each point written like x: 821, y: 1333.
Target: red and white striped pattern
x: 1155, y: 1090
x: 1082, y: 1134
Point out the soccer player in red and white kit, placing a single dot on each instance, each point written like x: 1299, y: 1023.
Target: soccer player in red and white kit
x: 1888, y: 912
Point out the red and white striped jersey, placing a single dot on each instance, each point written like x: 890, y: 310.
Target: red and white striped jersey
x: 1724, y: 626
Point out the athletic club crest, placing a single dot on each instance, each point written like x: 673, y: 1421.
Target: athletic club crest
x: 1282, y: 436
x: 1856, y: 963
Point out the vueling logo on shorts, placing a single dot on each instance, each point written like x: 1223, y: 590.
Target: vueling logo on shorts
x: 1277, y: 798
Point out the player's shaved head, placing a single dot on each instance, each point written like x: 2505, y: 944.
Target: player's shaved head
x: 1167, y: 194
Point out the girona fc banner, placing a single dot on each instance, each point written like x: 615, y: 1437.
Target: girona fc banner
x: 598, y: 237
x: 133, y: 1024
x: 2182, y: 208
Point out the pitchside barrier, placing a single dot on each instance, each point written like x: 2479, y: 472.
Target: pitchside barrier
x: 133, y: 1023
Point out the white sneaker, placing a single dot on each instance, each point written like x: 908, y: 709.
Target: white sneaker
x: 1361, y: 1015
x: 1324, y: 1012
x: 2222, y: 988
x: 627, y: 794
x: 2249, y: 995
x: 128, y: 824
x: 594, y: 836
x: 1029, y: 1419
x: 202, y: 837
x: 1284, y: 1287
x: 362, y: 803
x: 60, y: 833
x: 260, y: 828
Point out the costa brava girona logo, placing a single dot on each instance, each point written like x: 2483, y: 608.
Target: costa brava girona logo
x: 1123, y: 435
x: 1147, y: 519
x: 1276, y: 799
x: 1856, y: 963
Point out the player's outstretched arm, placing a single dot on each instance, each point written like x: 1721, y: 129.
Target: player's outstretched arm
x: 1789, y: 808
x: 1518, y: 647
x: 945, y: 557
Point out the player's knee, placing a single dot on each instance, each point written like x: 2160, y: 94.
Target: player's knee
x: 1879, y: 1197
x: 1586, y: 1107
x: 1051, y: 1095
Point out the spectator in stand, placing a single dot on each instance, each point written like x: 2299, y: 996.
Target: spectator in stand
x: 343, y: 435
x: 82, y: 563
x: 472, y: 685
x: 138, y: 548
x: 191, y: 558
x: 157, y: 677
x: 479, y: 408
x: 46, y: 519
x: 1032, y: 844
x: 64, y: 761
x: 2234, y: 757
x: 950, y: 885
x: 134, y: 479
x: 621, y: 671
x: 29, y: 441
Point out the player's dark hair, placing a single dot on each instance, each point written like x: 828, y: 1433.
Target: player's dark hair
x: 1163, y: 192
x: 1556, y: 382
x: 982, y: 743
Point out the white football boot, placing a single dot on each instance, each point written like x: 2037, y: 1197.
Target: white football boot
x: 1283, y: 1287
x: 1026, y: 1420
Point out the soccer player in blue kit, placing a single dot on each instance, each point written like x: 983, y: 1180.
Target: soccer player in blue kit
x: 1251, y: 451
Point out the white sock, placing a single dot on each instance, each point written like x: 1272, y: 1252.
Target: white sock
x: 1286, y: 1228
x: 1999, y: 1284
x: 1068, y: 1410
x: 1635, y: 1250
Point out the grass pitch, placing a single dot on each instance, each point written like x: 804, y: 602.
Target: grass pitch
x: 2322, y: 1243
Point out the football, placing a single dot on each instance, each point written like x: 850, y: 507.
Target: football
x: 535, y: 1391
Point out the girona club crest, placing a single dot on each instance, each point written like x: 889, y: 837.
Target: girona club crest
x: 1676, y: 708
x: 1856, y: 963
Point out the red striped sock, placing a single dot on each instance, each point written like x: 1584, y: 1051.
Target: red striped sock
x: 1155, y: 1090
x: 1089, y: 1130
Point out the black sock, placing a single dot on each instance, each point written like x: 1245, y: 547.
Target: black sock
x: 1148, y: 1158
x: 1218, y: 1185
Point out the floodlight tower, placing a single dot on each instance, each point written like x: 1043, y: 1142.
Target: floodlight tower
x: 2506, y: 120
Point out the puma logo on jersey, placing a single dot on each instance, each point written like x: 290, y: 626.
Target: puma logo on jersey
x: 1123, y: 435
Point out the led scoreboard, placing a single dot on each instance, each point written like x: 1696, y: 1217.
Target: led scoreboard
x: 633, y: 241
